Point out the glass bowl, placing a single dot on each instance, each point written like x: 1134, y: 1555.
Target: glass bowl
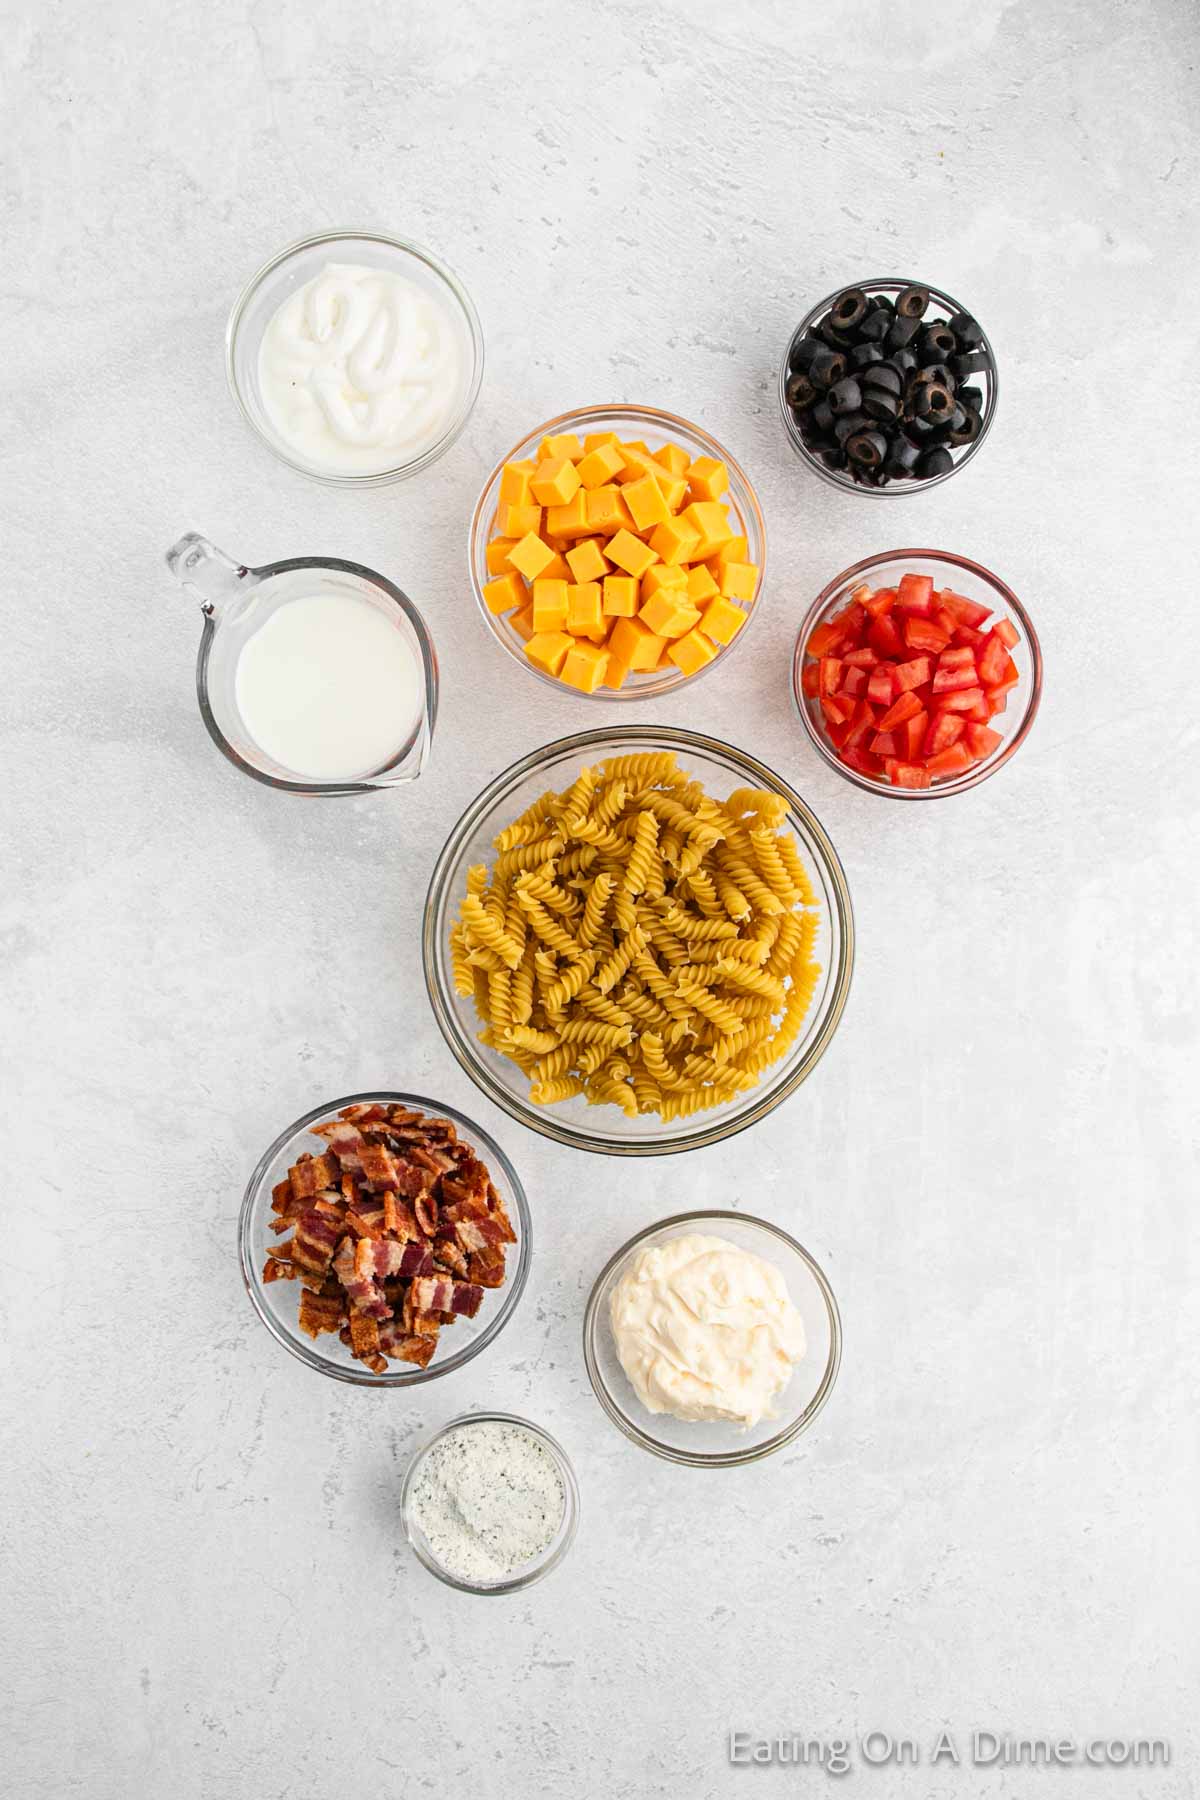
x: 722, y: 769
x: 710, y: 1444
x: 276, y: 1302
x: 976, y: 583
x: 289, y: 270
x: 541, y: 1565
x: 941, y: 307
x: 655, y: 429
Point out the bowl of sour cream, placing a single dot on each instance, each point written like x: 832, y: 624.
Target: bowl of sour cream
x: 712, y: 1339
x: 355, y: 357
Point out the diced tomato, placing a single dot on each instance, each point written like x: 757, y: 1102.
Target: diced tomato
x: 1007, y: 632
x: 992, y: 659
x: 959, y: 657
x: 982, y: 740
x: 865, y: 658
x: 852, y: 620
x: 810, y: 679
x: 884, y: 637
x: 948, y: 681
x: 967, y: 612
x: 881, y: 690
x: 906, y: 707
x: 946, y: 621
x: 831, y: 674
x: 862, y: 722
x: 924, y: 634
x: 838, y: 709
x: 1009, y: 679
x: 911, y: 735
x: 909, y: 775
x: 973, y: 640
x: 881, y: 601
x: 951, y: 761
x: 884, y: 744
x: 912, y: 674
x: 825, y: 638
x: 945, y: 729
x: 914, y: 594
x: 854, y: 680
x: 997, y: 700
x: 981, y: 712
x: 965, y: 700
x: 855, y: 757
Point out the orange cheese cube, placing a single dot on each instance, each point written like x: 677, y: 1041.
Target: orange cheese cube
x: 505, y: 592
x: 707, y: 478
x: 636, y: 444
x: 607, y: 511
x: 675, y: 540
x: 674, y: 459
x: 522, y: 622
x: 669, y: 612
x: 634, y: 644
x: 638, y: 461
x: 620, y: 598
x: 548, y: 650
x: 517, y: 519
x: 566, y: 444
x: 514, y: 483
x: 722, y: 620
x: 557, y: 569
x: 531, y: 556
x: 569, y: 520
x: 690, y: 653
x: 700, y: 584
x: 710, y: 521
x: 663, y: 575
x: 630, y: 553
x: 673, y: 489
x: 584, y: 667
x: 739, y: 580
x: 584, y: 611
x: 549, y: 605
x: 734, y: 549
x: 586, y: 560
x: 556, y: 480
x: 594, y: 439
x: 644, y: 498
x: 496, y: 555
x: 617, y: 672
x: 600, y: 463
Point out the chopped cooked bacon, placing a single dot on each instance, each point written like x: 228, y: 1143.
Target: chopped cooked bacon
x: 487, y: 1267
x: 426, y: 1324
x: 310, y: 1174
x: 431, y: 1293
x: 364, y: 1112
x: 450, y: 1254
x: 426, y: 1210
x: 438, y: 1162
x: 319, y: 1312
x: 466, y: 1299
x: 378, y: 1167
x: 410, y: 1180
x: 364, y: 1336
x: 478, y: 1234
x: 404, y: 1347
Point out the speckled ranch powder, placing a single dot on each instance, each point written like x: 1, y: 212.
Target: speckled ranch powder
x: 489, y: 1499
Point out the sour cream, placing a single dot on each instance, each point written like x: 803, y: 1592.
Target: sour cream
x: 328, y: 687
x: 361, y: 369
x: 705, y: 1330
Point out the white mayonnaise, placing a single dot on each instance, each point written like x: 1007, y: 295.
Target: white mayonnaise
x: 329, y: 687
x: 705, y: 1330
x: 361, y: 369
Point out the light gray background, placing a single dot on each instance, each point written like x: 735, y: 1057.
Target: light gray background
x: 993, y: 1524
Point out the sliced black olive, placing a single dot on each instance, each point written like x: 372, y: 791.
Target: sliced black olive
x: 904, y: 360
x: 938, y: 372
x: 826, y: 367
x: 882, y: 375
x: 845, y: 396
x: 879, y: 404
x: 974, y: 362
x: 831, y: 333
x: 834, y: 459
x: 967, y: 330
x: 901, y: 332
x: 802, y: 351
x: 971, y: 398
x: 902, y: 456
x: 919, y: 427
x: 912, y: 302
x: 937, y: 344
x: 848, y: 309
x: 862, y: 354
x: 822, y: 417
x: 935, y: 462
x: 874, y: 328
x: 968, y: 431
x: 868, y: 448
x: 934, y: 402
x: 799, y: 391
x: 846, y: 428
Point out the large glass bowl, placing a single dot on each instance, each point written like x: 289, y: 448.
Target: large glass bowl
x: 976, y: 583
x: 277, y: 1302
x: 655, y: 429
x: 711, y: 1444
x: 606, y: 1129
x: 941, y: 307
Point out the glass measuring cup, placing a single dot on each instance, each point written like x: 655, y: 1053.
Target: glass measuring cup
x: 236, y: 602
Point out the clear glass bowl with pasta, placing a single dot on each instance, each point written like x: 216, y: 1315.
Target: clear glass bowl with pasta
x: 585, y: 1120
x: 655, y: 428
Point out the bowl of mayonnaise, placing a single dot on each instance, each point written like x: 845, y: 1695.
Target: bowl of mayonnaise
x: 355, y: 357
x: 712, y: 1339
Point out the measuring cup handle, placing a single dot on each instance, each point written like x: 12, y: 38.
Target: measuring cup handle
x: 208, y: 572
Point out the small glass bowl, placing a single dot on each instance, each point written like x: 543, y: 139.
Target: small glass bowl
x: 541, y: 1565
x: 655, y: 429
x: 976, y: 583
x: 606, y: 1129
x: 277, y: 1302
x: 712, y: 1445
x: 289, y: 270
x: 941, y: 307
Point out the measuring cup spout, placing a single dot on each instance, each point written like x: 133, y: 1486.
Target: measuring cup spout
x: 208, y: 573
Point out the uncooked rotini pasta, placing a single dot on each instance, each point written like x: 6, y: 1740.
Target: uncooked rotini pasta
x: 638, y: 943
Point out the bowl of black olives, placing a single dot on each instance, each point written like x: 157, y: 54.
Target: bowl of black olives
x: 887, y: 387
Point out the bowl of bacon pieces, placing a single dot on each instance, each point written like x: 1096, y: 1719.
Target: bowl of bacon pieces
x: 384, y: 1239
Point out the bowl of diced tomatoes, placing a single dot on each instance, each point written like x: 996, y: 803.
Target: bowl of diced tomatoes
x: 917, y: 673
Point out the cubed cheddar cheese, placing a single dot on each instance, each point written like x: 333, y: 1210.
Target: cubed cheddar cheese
x: 531, y: 556
x: 675, y: 540
x: 548, y: 650
x: 587, y: 561
x: 644, y: 498
x: 522, y: 621
x: 739, y: 580
x: 674, y: 459
x: 496, y: 555
x: 565, y: 444
x: 722, y: 620
x: 600, y: 464
x: 710, y: 521
x: 669, y: 612
x: 594, y: 439
x: 707, y: 478
x: 558, y: 569
x: 569, y: 520
x: 663, y: 575
x: 692, y: 652
x: 700, y: 584
x: 606, y: 510
x: 734, y: 549
x: 557, y: 479
x: 673, y: 488
x: 549, y: 605
x: 584, y: 611
x: 630, y: 553
x: 620, y: 596
x: 514, y: 483
x: 518, y: 519
x: 584, y: 667
x: 635, y: 644
x: 505, y: 592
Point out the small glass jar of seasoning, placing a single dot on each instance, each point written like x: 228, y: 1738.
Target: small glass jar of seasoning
x: 490, y: 1503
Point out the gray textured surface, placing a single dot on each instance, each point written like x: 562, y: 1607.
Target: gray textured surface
x: 994, y: 1522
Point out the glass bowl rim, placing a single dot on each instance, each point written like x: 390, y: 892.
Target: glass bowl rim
x: 726, y: 1459
x: 622, y: 738
x: 970, y: 777
x: 358, y: 1375
x: 895, y: 489
x: 397, y: 471
x: 564, y: 1538
x: 632, y: 413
